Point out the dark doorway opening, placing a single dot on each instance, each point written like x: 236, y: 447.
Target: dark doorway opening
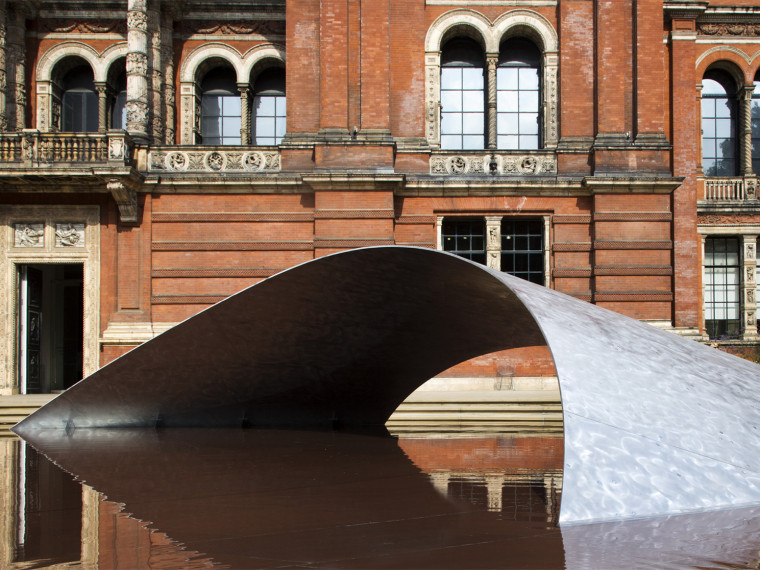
x: 50, y: 326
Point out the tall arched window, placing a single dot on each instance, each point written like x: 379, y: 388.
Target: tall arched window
x: 462, y: 95
x: 269, y: 107
x: 119, y: 102
x: 220, y: 108
x: 718, y: 124
x: 79, y: 102
x: 518, y: 96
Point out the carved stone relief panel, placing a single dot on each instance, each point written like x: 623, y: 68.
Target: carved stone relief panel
x: 215, y: 161
x: 69, y: 234
x: 29, y: 235
x: 506, y: 165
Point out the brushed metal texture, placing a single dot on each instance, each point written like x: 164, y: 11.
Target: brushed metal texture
x: 654, y: 424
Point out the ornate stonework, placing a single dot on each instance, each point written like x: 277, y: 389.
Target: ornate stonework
x: 214, y: 161
x: 729, y: 29
x: 29, y: 235
x: 69, y: 234
x: 66, y: 26
x: 261, y: 28
x: 496, y: 164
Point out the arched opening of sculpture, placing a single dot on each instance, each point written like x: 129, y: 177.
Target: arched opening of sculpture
x: 654, y: 424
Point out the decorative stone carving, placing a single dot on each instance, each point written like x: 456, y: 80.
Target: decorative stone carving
x: 125, y: 198
x: 729, y: 29
x: 137, y: 112
x: 137, y: 20
x: 214, y: 161
x: 510, y: 165
x: 750, y: 274
x: 750, y: 318
x: 751, y: 190
x: 750, y: 295
x: 116, y: 148
x: 750, y: 251
x: 69, y: 235
x: 80, y: 27
x: 262, y: 28
x: 137, y: 64
x: 29, y: 235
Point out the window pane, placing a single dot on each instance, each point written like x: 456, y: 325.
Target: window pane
x: 529, y: 101
x: 231, y: 106
x: 279, y: 126
x: 472, y: 101
x: 528, y: 124
x: 506, y: 78
x: 451, y: 78
x: 723, y: 108
x: 472, y: 78
x: 528, y: 142
x: 263, y: 105
x: 264, y: 127
x: 211, y: 105
x: 528, y: 78
x: 451, y: 101
x: 472, y: 142
x: 231, y: 127
x: 507, y: 142
x: 451, y: 123
x: 451, y: 142
x: 507, y: 101
x: 472, y: 123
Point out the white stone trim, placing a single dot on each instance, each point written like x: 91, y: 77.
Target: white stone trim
x: 243, y: 65
x: 492, y: 34
x: 742, y: 54
x: 99, y: 62
x: 48, y: 252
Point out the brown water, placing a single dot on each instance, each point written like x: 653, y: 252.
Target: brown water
x: 293, y: 499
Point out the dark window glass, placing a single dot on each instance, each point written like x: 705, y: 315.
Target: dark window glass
x: 718, y: 125
x: 462, y: 96
x: 79, y: 102
x: 220, y: 108
x: 518, y: 96
x: 466, y: 238
x: 522, y: 249
x: 119, y: 104
x: 269, y: 108
x: 722, y: 287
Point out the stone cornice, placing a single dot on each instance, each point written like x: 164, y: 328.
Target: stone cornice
x: 685, y: 9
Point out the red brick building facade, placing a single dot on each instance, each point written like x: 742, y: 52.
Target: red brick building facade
x: 156, y: 157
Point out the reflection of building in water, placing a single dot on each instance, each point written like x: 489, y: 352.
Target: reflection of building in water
x: 520, y: 477
x: 48, y: 518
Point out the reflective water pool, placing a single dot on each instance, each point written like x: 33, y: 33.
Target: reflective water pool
x: 293, y: 499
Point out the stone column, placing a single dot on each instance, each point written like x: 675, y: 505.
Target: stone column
x: 749, y: 287
x: 493, y: 242
x: 492, y: 60
x: 3, y: 67
x: 17, y: 33
x: 167, y: 56
x: 439, y: 233
x: 137, y: 70
x: 245, y: 113
x: 746, y: 131
x: 154, y: 70
x: 102, y: 90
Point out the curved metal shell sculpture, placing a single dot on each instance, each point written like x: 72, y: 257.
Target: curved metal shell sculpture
x: 654, y: 424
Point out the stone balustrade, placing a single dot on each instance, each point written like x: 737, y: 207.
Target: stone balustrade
x: 730, y: 189
x: 33, y: 148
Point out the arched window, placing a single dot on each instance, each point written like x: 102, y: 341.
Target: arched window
x: 518, y: 96
x: 220, y: 108
x: 755, y: 118
x: 718, y: 125
x: 119, y: 103
x: 462, y: 95
x: 269, y: 107
x: 79, y: 102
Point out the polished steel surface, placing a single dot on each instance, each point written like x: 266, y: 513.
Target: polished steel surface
x: 654, y: 424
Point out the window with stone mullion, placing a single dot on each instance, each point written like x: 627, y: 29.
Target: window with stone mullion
x: 518, y: 96
x: 722, y: 288
x: 462, y: 95
x: 719, y: 141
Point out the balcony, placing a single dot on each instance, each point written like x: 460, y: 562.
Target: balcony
x: 736, y: 194
x: 33, y: 149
